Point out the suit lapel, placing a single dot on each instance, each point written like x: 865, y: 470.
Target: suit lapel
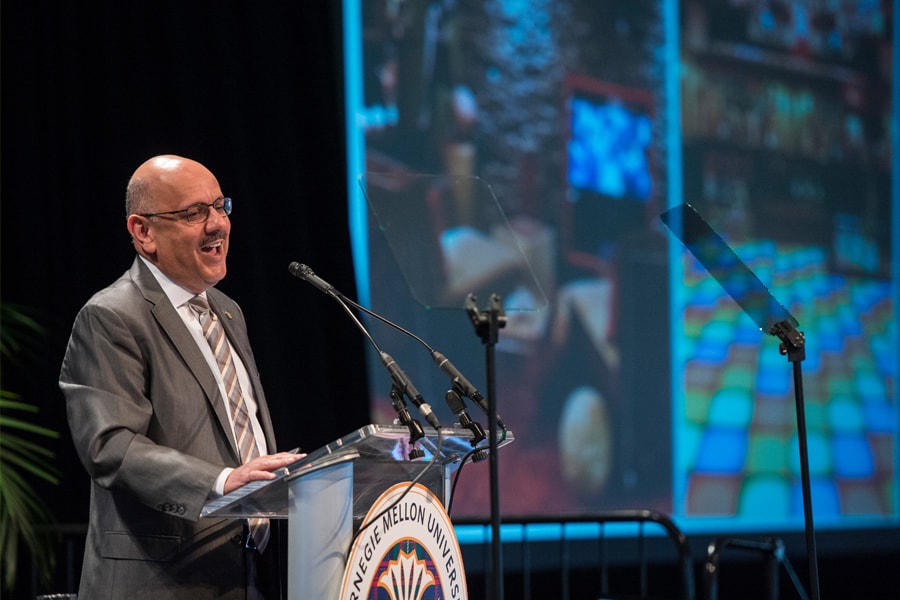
x: 172, y: 325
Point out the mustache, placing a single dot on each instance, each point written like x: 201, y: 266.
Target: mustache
x: 214, y: 237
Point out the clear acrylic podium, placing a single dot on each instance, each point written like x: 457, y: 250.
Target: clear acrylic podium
x: 325, y: 495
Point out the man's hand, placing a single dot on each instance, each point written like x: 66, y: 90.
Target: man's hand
x: 259, y: 468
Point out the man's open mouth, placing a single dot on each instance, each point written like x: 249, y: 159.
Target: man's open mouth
x: 213, y: 248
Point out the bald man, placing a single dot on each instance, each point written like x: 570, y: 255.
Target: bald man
x: 148, y: 409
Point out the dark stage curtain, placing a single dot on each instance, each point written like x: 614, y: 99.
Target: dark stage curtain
x: 251, y: 89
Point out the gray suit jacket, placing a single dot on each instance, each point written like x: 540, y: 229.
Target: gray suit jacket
x: 150, y: 427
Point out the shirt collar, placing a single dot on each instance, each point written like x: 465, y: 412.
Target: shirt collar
x: 176, y: 294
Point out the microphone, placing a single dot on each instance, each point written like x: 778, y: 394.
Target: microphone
x: 457, y: 379
x: 456, y: 404
x: 405, y: 386
x: 465, y: 387
x: 398, y: 377
x: 306, y: 274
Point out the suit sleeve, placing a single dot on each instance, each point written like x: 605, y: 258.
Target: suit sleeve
x: 117, y: 420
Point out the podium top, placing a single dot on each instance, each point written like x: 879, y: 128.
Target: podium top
x: 388, y: 443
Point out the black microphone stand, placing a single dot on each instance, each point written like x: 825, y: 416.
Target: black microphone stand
x: 397, y: 391
x: 487, y: 325
x: 749, y: 292
x: 454, y: 396
x: 416, y: 432
x: 793, y: 345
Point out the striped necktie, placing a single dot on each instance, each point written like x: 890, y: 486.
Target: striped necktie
x: 240, y: 416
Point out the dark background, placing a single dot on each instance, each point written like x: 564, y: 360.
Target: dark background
x: 253, y: 91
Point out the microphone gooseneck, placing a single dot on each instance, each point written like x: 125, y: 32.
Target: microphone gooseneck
x: 459, y: 382
x: 398, y: 378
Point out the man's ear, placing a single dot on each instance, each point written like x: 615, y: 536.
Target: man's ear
x: 142, y: 234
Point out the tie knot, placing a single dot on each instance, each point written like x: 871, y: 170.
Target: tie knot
x: 199, y: 305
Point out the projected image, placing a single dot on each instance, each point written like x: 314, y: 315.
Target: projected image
x: 741, y: 449
x: 568, y: 147
x: 608, y: 150
x: 561, y: 110
x: 856, y: 248
x: 786, y: 152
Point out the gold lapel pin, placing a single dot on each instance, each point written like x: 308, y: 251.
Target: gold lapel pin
x: 228, y: 315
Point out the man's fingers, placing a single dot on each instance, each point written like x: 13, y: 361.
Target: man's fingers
x: 260, y: 468
x: 270, y: 462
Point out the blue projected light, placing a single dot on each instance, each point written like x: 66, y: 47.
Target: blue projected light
x: 608, y: 149
x: 722, y: 451
x: 825, y: 495
x: 852, y: 457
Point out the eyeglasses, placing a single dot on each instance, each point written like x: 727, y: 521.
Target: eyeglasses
x: 197, y: 213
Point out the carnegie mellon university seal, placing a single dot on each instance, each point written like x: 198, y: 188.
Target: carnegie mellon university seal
x: 409, y: 553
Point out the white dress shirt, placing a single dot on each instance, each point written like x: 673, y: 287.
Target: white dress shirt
x: 179, y: 298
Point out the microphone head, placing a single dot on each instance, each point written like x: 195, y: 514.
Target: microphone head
x: 299, y: 270
x: 306, y: 274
